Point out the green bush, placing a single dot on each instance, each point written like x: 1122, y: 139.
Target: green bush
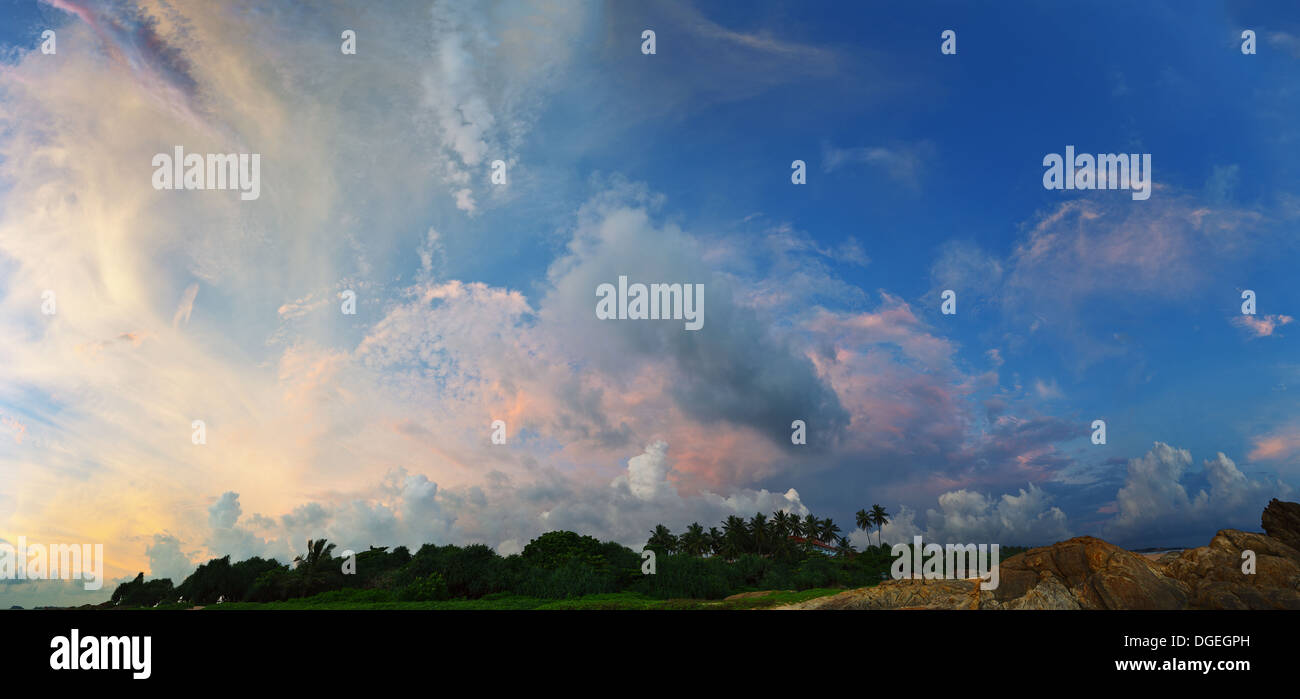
x: 573, y: 579
x: 139, y: 593
x: 683, y: 576
x: 430, y: 588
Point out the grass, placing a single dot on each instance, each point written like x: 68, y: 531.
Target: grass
x: 609, y: 601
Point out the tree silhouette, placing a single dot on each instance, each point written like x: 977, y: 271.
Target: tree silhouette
x: 694, y: 541
x: 864, y: 521
x: 880, y: 518
x: 828, y: 531
x: 662, y: 540
x: 844, y: 547
x: 311, y: 568
x: 759, y: 532
x: 809, y: 529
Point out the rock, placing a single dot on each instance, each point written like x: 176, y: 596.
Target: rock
x: 1088, y: 573
x: 1215, y: 579
x: 1093, y: 573
x: 751, y: 595
x: 904, y: 594
x: 1082, y: 573
x: 1282, y: 522
x: 1167, y: 558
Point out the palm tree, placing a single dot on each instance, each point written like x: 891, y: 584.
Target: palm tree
x: 844, y: 547
x: 781, y: 523
x: 784, y: 525
x: 715, y: 541
x: 864, y: 521
x: 662, y: 540
x: 828, y: 531
x: 733, y: 537
x: 809, y: 530
x: 694, y: 541
x: 880, y: 518
x: 311, y: 567
x: 759, y: 531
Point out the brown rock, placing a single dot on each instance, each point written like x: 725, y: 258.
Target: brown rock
x: 1093, y: 573
x: 1282, y: 522
x: 1088, y: 573
x: 904, y: 594
x: 1215, y: 578
x: 751, y: 595
x: 1082, y: 573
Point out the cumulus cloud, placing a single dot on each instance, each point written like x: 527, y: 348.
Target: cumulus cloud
x: 410, y: 510
x: 647, y: 473
x: 1026, y: 517
x: 374, y: 428
x: 1023, y: 519
x: 1156, y: 503
x: 969, y: 517
x: 167, y: 559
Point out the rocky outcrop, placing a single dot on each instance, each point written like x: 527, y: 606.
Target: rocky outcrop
x: 904, y: 594
x: 1096, y: 574
x: 1082, y: 573
x: 1216, y: 577
x: 1088, y: 573
x: 1281, y: 520
x: 752, y: 595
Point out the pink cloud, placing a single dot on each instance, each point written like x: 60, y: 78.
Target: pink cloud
x: 1282, y: 444
x: 17, y: 428
x: 1261, y: 327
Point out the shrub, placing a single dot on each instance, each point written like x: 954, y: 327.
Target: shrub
x: 683, y: 576
x: 139, y: 593
x: 430, y: 588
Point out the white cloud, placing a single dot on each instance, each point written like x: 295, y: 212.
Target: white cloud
x: 1154, y: 504
x: 167, y: 560
x: 902, y: 163
x: 186, y: 305
x: 970, y: 517
x: 409, y: 510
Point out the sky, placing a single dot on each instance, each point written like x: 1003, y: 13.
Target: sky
x: 475, y: 300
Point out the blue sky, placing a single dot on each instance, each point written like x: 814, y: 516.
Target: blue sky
x: 924, y: 173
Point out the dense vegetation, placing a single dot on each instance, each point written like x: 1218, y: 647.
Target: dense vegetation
x: 777, y: 553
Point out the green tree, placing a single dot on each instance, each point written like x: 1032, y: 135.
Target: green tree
x: 312, y: 568
x: 429, y: 588
x: 809, y: 530
x: 828, y: 531
x: 880, y: 518
x: 715, y: 541
x: 139, y: 593
x: 554, y: 549
x: 760, y: 532
x: 662, y: 541
x: 844, y: 547
x: 783, y: 523
x: 694, y: 541
x: 865, y: 522
x: 734, y: 537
